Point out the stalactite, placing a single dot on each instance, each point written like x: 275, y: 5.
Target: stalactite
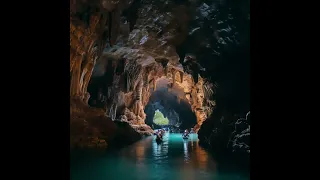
x: 74, y: 38
x: 86, y: 98
x: 154, y: 85
x: 113, y: 111
x: 144, y: 95
x: 139, y: 90
x: 87, y: 75
x: 145, y: 79
x: 173, y: 77
x: 128, y: 82
x: 110, y: 112
x: 94, y: 22
x: 72, y: 59
x: 82, y: 74
x: 137, y: 98
x: 75, y: 85
x: 181, y: 76
x: 166, y: 71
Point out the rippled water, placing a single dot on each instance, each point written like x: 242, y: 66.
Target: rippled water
x: 174, y: 159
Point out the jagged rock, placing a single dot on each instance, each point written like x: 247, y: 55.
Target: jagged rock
x: 123, y: 118
x: 90, y: 128
x: 130, y: 115
x: 144, y: 129
x: 240, y: 138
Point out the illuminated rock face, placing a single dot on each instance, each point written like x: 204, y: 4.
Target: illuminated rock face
x: 195, y: 95
x: 138, y: 79
x: 93, y: 24
x: 89, y: 28
x: 133, y: 70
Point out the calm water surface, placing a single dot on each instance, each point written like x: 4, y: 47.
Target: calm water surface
x: 174, y: 159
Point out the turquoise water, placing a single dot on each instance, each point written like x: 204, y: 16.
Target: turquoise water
x: 174, y: 159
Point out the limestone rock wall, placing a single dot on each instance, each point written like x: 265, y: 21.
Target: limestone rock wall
x: 193, y: 92
x: 92, y: 24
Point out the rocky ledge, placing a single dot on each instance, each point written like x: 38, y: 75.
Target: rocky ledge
x: 91, y: 128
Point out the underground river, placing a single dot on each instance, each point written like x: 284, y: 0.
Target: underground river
x: 174, y: 159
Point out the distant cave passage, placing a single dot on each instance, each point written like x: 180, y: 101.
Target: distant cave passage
x: 177, y: 111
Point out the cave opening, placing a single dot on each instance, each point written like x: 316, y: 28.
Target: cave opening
x: 171, y: 102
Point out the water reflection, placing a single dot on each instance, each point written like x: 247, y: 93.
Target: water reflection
x: 201, y: 156
x: 173, y: 159
x: 185, y: 150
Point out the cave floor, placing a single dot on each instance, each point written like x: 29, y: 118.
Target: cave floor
x: 174, y: 159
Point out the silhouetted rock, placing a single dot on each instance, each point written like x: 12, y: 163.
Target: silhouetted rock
x: 90, y: 128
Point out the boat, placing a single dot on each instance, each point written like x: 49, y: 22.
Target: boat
x: 185, y: 136
x: 159, y: 140
x: 159, y: 136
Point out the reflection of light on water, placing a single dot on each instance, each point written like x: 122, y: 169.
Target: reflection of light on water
x: 156, y: 149
x: 186, y: 171
x: 160, y: 151
x: 185, y: 150
x: 141, y: 156
x: 140, y: 150
x: 193, y: 162
x: 202, y: 157
x: 142, y: 168
x: 146, y: 160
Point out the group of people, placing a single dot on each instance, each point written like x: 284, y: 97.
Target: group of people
x: 160, y: 133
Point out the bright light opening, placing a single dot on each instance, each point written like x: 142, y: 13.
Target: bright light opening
x: 159, y: 119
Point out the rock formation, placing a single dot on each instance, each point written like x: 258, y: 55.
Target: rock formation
x: 92, y: 25
x: 223, y: 35
x: 133, y: 84
x: 119, y: 50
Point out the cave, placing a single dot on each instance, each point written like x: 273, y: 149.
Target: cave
x: 172, y: 103
x: 190, y: 60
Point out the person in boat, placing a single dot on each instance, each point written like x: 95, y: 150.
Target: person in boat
x: 186, y: 133
x: 156, y: 132
x: 162, y: 132
x: 159, y: 136
x: 191, y: 131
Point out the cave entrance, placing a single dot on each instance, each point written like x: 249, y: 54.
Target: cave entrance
x: 169, y: 102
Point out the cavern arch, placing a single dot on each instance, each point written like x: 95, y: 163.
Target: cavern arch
x: 130, y: 87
